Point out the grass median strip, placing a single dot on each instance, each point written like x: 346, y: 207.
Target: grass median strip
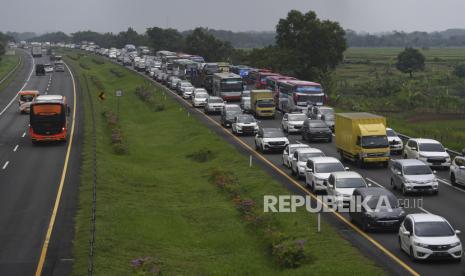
x: 7, y: 63
x: 158, y: 205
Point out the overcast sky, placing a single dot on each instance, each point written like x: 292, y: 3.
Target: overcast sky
x: 236, y: 15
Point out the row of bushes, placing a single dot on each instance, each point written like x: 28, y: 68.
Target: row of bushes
x: 98, y: 61
x: 84, y: 66
x: 287, y: 251
x: 117, y: 73
x: 117, y: 139
x: 148, y: 96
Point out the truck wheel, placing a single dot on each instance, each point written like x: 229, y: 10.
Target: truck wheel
x: 303, y: 136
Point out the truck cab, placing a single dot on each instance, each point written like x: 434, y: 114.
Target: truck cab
x: 262, y: 103
x: 362, y: 138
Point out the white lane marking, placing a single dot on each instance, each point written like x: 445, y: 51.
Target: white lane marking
x: 424, y: 210
x: 16, y: 148
x: 450, y: 185
x: 6, y: 165
x: 24, y: 134
x: 298, y: 142
x: 25, y: 83
x: 376, y: 183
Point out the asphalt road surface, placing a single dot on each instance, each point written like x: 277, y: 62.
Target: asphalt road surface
x: 381, y: 247
x: 30, y: 178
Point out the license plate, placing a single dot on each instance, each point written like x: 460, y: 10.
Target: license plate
x: 436, y: 163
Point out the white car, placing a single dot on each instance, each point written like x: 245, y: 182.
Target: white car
x: 173, y: 82
x: 413, y: 176
x: 395, y: 143
x: 428, y: 236
x: 186, y: 90
x: 318, y: 171
x: 457, y: 171
x: 270, y: 139
x: 299, y: 160
x: 430, y: 151
x: 213, y: 105
x: 289, y: 152
x: 199, y: 99
x: 341, y: 186
x: 293, y: 122
x: 244, y: 124
x: 48, y: 68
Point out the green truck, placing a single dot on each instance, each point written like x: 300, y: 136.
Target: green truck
x: 361, y: 137
x: 262, y: 103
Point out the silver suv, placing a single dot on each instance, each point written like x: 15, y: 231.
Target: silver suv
x: 413, y: 176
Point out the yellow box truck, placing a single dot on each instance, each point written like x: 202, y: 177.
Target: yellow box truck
x: 361, y: 137
x: 262, y: 103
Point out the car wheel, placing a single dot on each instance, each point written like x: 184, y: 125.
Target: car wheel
x: 303, y: 136
x: 393, y: 186
x: 256, y: 146
x: 405, y: 156
x: 404, y: 190
x: 313, y: 187
x: 330, y: 139
x: 436, y: 192
x: 292, y: 171
x: 399, y: 242
x: 365, y: 227
x: 262, y: 149
x: 452, y: 179
x: 385, y: 164
x: 412, y: 256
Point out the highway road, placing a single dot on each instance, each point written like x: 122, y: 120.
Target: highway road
x: 38, y: 184
x: 381, y: 247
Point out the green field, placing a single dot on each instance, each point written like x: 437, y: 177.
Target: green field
x: 157, y: 200
x: 7, y: 63
x: 369, y: 81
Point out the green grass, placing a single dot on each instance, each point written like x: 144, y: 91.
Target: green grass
x: 7, y: 63
x: 157, y: 202
x: 370, y: 82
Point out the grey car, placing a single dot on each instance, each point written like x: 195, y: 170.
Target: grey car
x: 413, y: 176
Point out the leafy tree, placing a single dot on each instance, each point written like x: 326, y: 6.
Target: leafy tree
x: 2, y: 48
x: 201, y: 42
x: 317, y: 45
x: 459, y: 70
x: 52, y: 37
x: 410, y: 60
x: 165, y: 39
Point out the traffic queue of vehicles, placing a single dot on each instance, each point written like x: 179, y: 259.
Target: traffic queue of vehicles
x: 360, y: 137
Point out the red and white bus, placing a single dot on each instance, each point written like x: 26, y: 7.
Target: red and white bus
x: 48, y: 118
x: 273, y: 85
x: 257, y: 78
x: 228, y: 86
x: 297, y: 95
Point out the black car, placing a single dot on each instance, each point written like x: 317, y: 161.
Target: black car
x: 40, y: 70
x: 229, y: 112
x: 385, y: 217
x: 316, y: 130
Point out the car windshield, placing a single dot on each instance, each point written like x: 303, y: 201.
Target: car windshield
x: 215, y: 101
x: 329, y: 167
x: 27, y: 98
x: 433, y: 229
x: 304, y: 156
x: 417, y: 170
x: 381, y: 200
x: 371, y: 142
x: 233, y: 108
x: 232, y: 113
x: 246, y: 119
x: 201, y: 95
x: 186, y: 84
x: 431, y: 147
x: 294, y: 148
x: 350, y: 183
x: 318, y: 125
x: 273, y: 134
x: 297, y: 117
x: 390, y: 133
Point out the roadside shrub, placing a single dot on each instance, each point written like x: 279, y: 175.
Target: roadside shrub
x: 84, y: 66
x: 201, y: 156
x: 98, y: 61
x: 116, y: 73
x: 117, y: 137
x: 146, y: 266
x: 286, y: 251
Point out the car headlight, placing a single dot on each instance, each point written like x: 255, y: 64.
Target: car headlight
x: 420, y: 244
x: 454, y: 244
x: 238, y: 126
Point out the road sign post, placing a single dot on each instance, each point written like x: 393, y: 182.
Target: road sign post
x: 118, y: 94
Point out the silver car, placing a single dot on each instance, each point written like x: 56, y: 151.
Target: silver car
x: 413, y: 176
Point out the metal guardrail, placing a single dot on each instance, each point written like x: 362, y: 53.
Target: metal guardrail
x: 452, y: 153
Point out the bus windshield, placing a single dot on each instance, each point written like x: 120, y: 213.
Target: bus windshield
x: 231, y: 85
x: 308, y: 89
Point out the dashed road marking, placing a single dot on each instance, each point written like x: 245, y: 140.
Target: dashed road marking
x: 16, y: 148
x: 5, y: 165
x: 24, y: 134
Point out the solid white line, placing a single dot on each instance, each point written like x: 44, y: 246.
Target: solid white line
x: 450, y: 185
x: 6, y: 165
x: 24, y: 134
x: 16, y: 148
x: 374, y: 182
x: 25, y: 83
x: 424, y: 210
